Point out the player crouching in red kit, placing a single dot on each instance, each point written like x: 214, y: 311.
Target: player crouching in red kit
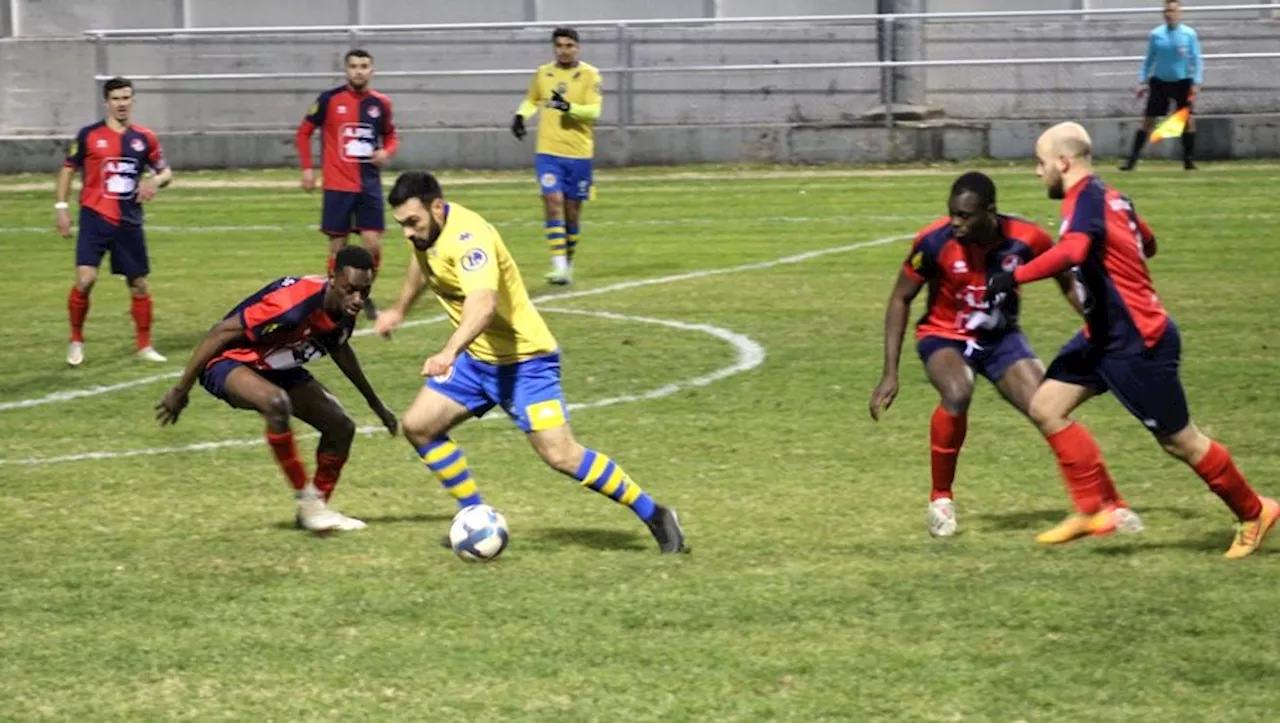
x: 960, y: 334
x: 1130, y: 346
x: 253, y: 359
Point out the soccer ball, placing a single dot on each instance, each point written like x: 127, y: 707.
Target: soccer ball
x: 478, y: 533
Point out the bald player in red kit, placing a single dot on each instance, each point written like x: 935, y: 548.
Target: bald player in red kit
x: 1130, y: 346
x: 112, y: 157
x: 357, y: 138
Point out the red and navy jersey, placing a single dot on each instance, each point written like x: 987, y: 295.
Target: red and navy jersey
x: 1105, y: 238
x: 286, y: 326
x: 353, y: 125
x: 957, y: 274
x: 111, y: 165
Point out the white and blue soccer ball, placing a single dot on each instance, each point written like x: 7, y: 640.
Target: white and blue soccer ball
x: 478, y: 533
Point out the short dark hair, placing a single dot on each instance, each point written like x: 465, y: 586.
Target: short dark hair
x: 564, y: 32
x: 115, y: 83
x: 415, y: 184
x: 355, y: 257
x: 977, y: 183
x: 357, y: 53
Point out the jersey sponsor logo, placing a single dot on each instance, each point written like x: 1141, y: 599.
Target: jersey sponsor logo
x: 138, y: 145
x: 120, y: 177
x: 474, y: 260
x: 548, y: 180
x: 357, y: 141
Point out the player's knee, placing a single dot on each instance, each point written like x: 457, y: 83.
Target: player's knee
x: 417, y: 430
x: 85, y: 279
x: 138, y: 286
x: 563, y: 455
x: 1046, y: 415
x: 343, y: 428
x: 956, y: 397
x: 1188, y: 444
x: 277, y: 409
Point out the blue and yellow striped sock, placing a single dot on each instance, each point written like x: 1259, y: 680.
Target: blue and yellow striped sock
x: 604, y: 475
x: 571, y: 240
x: 445, y: 458
x: 557, y: 244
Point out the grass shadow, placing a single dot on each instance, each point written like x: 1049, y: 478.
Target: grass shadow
x: 591, y: 538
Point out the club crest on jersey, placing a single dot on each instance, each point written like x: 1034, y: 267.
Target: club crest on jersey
x: 137, y: 145
x: 1009, y: 263
x: 102, y: 143
x: 342, y: 109
x: 959, y: 267
x: 562, y: 88
x: 373, y: 111
x: 473, y: 260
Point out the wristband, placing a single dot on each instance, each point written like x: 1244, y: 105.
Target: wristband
x: 60, y: 206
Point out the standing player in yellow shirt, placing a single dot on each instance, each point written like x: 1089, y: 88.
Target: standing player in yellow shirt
x: 568, y: 93
x: 501, y: 353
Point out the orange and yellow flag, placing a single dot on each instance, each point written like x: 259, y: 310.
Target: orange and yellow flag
x: 1172, y: 126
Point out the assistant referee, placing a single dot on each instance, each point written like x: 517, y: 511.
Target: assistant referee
x: 1172, y: 71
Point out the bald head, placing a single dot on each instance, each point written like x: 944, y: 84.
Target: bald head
x: 1067, y: 140
x: 1064, y: 155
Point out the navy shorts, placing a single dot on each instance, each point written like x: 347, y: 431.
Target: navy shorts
x: 127, y: 244
x: 1146, y: 383
x: 348, y: 212
x: 570, y: 176
x: 991, y: 357
x: 214, y: 377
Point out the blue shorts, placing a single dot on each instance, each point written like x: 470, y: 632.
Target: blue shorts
x: 214, y: 377
x: 991, y: 357
x: 348, y: 212
x: 570, y: 176
x: 127, y: 244
x: 528, y: 391
x: 1146, y: 383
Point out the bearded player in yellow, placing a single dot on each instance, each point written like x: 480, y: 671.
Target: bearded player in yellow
x: 568, y: 94
x: 501, y: 353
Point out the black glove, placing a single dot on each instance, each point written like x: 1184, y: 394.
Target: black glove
x: 517, y: 127
x: 1001, y: 283
x: 558, y: 102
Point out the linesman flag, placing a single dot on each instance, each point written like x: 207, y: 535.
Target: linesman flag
x: 1172, y: 126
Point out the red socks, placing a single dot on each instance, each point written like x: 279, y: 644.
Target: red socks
x: 328, y: 469
x: 77, y: 310
x: 286, y: 451
x: 1219, y: 472
x: 140, y: 309
x: 1080, y: 461
x: 946, y: 436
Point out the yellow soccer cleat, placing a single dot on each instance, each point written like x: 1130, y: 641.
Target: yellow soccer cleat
x: 1251, y: 533
x: 1105, y: 522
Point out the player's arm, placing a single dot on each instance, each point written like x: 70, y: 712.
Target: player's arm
x: 161, y: 171
x: 302, y: 140
x: 1072, y: 249
x: 528, y: 108
x: 896, y: 317
x: 414, y: 284
x: 73, y: 162
x: 1148, y: 64
x: 345, y: 357
x: 1148, y: 237
x: 1071, y: 290
x: 478, y: 277
x: 1197, y: 65
x: 219, y: 337
x: 588, y: 112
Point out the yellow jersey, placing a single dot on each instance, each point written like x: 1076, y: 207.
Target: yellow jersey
x: 470, y: 256
x: 567, y: 134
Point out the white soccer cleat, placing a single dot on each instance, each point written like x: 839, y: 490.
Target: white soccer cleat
x: 1127, y: 521
x: 349, y: 524
x: 560, y: 277
x: 942, y: 517
x: 75, y: 353
x: 150, y: 354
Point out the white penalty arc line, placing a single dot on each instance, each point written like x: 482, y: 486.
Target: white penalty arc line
x: 750, y: 354
x: 71, y: 394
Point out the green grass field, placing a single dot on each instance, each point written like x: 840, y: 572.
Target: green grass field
x: 157, y: 581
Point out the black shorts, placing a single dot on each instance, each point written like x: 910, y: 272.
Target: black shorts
x: 1164, y: 91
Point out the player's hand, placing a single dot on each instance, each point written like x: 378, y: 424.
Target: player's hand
x: 146, y: 190
x: 1001, y: 283
x: 387, y: 417
x: 882, y: 398
x: 1141, y: 90
x: 62, y: 222
x: 1195, y: 93
x: 437, y: 365
x: 309, y: 180
x: 558, y: 102
x: 387, y: 322
x: 380, y: 158
x: 517, y: 127
x: 167, y: 411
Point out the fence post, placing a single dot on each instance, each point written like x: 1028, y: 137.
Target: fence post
x: 531, y: 11
x: 626, y: 84
x: 887, y: 76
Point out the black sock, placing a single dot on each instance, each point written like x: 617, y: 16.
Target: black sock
x: 1139, y: 140
x: 1188, y: 145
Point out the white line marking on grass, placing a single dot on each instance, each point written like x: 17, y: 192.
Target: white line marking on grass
x: 71, y: 394
x: 750, y: 354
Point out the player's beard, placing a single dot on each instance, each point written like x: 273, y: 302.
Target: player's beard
x: 1057, y: 191
x: 433, y: 233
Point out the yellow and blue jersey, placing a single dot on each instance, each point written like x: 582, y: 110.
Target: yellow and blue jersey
x: 568, y: 134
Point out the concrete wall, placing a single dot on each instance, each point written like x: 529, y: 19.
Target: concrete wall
x: 1219, y: 137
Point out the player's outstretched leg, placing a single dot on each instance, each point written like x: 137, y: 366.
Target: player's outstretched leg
x: 1099, y: 508
x: 371, y: 239
x: 78, y: 311
x: 247, y: 389
x: 951, y: 376
x: 426, y: 426
x: 313, y: 404
x: 140, y: 310
x: 1139, y: 140
x: 572, y: 229
x: 597, y: 471
x: 1213, y: 463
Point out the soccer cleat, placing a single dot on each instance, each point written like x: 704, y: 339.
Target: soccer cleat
x: 559, y: 277
x: 446, y: 543
x: 1109, y: 520
x: 370, y: 310
x: 314, y: 516
x: 150, y: 354
x: 665, y: 527
x: 942, y: 517
x: 75, y: 353
x: 1251, y: 533
x: 1189, y: 166
x: 1129, y: 165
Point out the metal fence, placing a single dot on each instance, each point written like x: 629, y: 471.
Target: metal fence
x: 714, y: 71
